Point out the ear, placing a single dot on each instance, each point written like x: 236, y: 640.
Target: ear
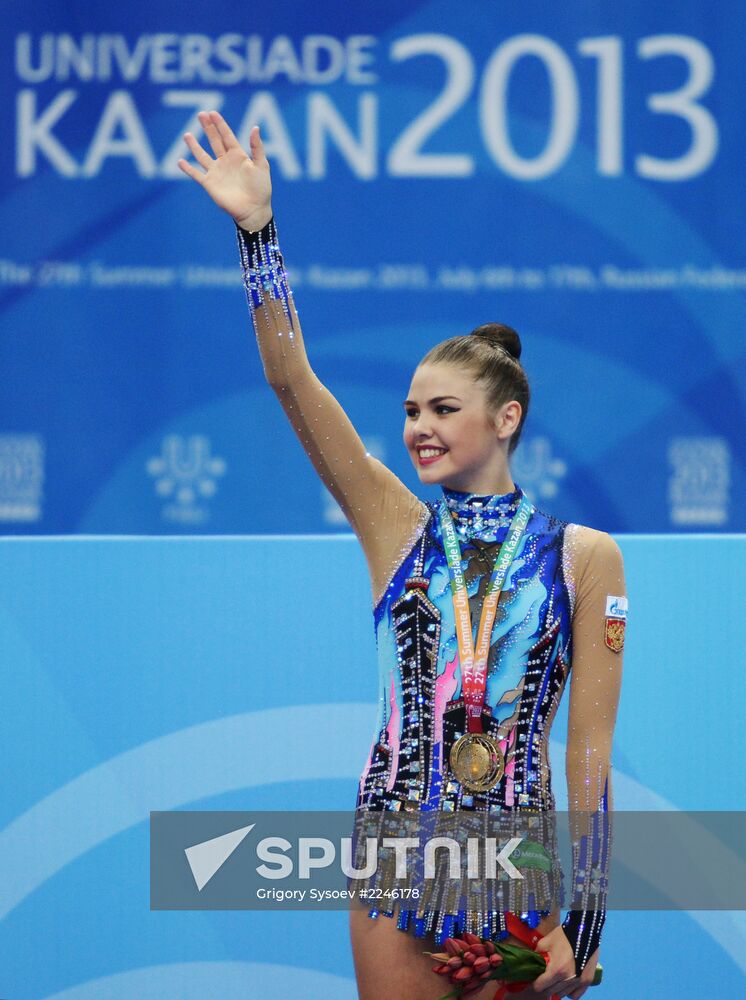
x: 507, y: 418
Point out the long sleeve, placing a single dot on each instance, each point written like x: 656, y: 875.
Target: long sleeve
x: 382, y: 512
x: 598, y: 626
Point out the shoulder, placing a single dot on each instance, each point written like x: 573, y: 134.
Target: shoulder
x: 581, y: 543
x: 394, y: 523
x: 591, y: 540
x: 594, y: 556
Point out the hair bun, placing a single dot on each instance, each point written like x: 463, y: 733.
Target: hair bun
x: 500, y: 335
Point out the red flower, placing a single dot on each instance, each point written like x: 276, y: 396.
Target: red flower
x: 469, y: 961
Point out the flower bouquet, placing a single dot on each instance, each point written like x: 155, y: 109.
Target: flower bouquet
x: 470, y: 961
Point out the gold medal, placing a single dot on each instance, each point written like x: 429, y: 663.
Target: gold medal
x: 477, y: 761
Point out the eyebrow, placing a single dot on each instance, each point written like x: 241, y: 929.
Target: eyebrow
x: 435, y: 399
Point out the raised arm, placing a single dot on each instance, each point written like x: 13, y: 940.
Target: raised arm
x: 382, y: 512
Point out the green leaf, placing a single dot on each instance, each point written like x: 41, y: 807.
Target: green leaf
x: 518, y: 964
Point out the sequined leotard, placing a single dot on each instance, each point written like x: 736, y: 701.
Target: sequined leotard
x: 550, y: 625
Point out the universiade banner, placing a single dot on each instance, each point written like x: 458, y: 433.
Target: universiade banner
x: 575, y: 173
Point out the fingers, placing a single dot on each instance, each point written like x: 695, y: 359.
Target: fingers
x: 198, y: 152
x: 549, y: 983
x: 211, y: 131
x: 553, y: 987
x: 559, y: 989
x: 570, y: 986
x: 583, y: 982
x: 224, y: 130
x: 257, y: 146
x: 190, y: 171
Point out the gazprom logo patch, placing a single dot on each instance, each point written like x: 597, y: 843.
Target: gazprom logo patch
x: 616, y: 607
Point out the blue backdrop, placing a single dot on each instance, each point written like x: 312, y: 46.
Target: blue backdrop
x: 150, y: 674
x: 574, y: 171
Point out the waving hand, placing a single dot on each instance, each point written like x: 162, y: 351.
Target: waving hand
x: 381, y: 510
x: 238, y: 183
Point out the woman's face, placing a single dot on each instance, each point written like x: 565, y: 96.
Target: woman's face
x: 449, y: 433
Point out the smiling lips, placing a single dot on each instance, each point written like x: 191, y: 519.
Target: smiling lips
x: 427, y: 455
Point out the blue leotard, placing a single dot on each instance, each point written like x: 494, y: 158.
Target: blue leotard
x: 561, y: 617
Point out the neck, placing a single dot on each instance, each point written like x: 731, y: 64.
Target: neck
x: 480, y: 512
x: 483, y: 485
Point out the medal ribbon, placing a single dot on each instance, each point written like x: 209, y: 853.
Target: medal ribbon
x: 474, y: 661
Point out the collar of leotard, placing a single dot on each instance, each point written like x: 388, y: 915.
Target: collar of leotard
x: 483, y: 516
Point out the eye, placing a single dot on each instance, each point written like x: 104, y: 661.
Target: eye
x: 450, y: 409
